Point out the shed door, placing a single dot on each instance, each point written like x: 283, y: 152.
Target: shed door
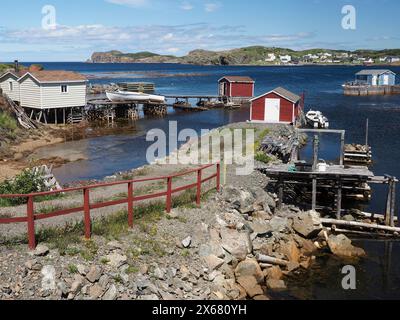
x: 272, y: 110
x: 385, y: 79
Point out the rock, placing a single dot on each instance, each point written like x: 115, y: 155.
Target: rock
x: 274, y: 273
x: 116, y: 260
x: 241, y: 200
x: 185, y: 273
x: 261, y: 298
x: 111, y: 293
x: 262, y: 215
x: 62, y: 289
x: 159, y: 273
x: 236, y: 243
x: 187, y: 242
x: 33, y: 265
x: 40, y: 251
x: 18, y: 156
x: 279, y: 224
x: 231, y: 220
x: 96, y: 291
x: 251, y: 286
x: 250, y: 267
x: 151, y: 297
x: 49, y: 278
x: 260, y: 227
x: 307, y: 224
x: 115, y: 245
x: 82, y: 270
x: 213, y: 262
x: 76, y: 287
x: 103, y: 281
x: 94, y: 274
x: 276, y: 285
x: 292, y: 265
x: 342, y: 246
x: 291, y: 251
x: 348, y: 217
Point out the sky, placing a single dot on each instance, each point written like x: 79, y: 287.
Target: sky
x: 80, y: 27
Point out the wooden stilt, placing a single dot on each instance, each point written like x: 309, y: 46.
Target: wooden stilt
x: 45, y: 116
x: 280, y: 196
x: 339, y: 200
x: 393, y: 204
x: 389, y: 202
x: 315, y: 152
x: 55, y: 116
x: 31, y: 114
x: 314, y: 194
x: 342, y: 148
x: 64, y: 116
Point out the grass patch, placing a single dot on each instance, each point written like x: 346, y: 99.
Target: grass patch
x: 73, y: 269
x: 7, y: 122
x: 262, y: 157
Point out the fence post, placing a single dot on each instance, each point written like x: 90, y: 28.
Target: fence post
x: 198, y: 197
x: 218, y: 177
x: 130, y: 204
x: 169, y: 194
x: 31, y: 224
x: 86, y: 206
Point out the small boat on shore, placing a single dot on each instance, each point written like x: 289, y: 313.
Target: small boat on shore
x: 127, y: 96
x: 316, y: 119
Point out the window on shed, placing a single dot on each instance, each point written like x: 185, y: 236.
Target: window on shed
x: 64, y: 89
x: 11, y: 86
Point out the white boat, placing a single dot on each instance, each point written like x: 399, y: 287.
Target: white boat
x: 317, y: 120
x: 126, y: 96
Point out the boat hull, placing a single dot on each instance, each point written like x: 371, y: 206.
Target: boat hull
x: 134, y: 97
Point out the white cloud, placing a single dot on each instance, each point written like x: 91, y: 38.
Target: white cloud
x: 187, y: 6
x: 212, y: 6
x: 129, y: 3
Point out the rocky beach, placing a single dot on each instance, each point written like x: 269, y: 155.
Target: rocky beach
x: 236, y: 246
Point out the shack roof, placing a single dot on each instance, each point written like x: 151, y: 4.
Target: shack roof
x: 374, y: 72
x: 286, y: 94
x: 238, y: 79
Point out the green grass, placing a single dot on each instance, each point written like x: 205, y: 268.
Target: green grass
x: 262, y: 157
x: 7, y: 122
x: 73, y: 269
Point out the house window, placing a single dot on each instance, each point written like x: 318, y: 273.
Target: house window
x: 11, y: 86
x: 64, y: 89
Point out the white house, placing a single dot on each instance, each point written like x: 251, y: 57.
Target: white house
x: 285, y: 59
x: 45, y: 91
x: 271, y: 57
x: 393, y: 59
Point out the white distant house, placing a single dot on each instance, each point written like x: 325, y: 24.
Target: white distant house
x: 393, y: 59
x: 271, y: 57
x: 285, y: 59
x: 40, y: 92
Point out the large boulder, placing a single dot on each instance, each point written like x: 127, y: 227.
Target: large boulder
x: 308, y: 224
x: 213, y: 262
x: 249, y: 267
x: 240, y: 199
x: 273, y: 272
x: 250, y: 285
x: 290, y: 250
x: 236, y: 243
x: 49, y: 278
x: 341, y: 246
x: 279, y: 224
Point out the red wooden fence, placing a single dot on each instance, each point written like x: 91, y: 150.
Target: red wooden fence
x: 31, y: 217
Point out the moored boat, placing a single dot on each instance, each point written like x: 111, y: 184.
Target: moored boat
x: 126, y: 96
x: 316, y: 119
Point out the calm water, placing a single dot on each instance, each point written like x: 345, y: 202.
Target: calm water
x: 322, y: 87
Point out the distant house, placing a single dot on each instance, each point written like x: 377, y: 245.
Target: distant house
x: 376, y: 77
x: 46, y: 90
x: 236, y: 87
x: 276, y: 106
x: 271, y: 57
x: 285, y: 59
x: 393, y: 59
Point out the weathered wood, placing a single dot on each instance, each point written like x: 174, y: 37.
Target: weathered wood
x: 393, y: 204
x: 359, y: 224
x: 339, y: 200
x: 389, y: 203
x: 314, y: 194
x: 271, y: 260
x: 362, y: 233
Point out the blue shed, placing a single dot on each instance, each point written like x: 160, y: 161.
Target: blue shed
x: 376, y: 77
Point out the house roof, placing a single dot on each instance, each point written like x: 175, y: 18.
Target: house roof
x: 374, y: 72
x: 238, y: 79
x: 56, y: 76
x: 286, y: 94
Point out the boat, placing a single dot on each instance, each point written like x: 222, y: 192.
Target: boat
x: 316, y: 119
x: 126, y: 96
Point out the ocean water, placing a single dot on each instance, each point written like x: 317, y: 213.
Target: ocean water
x: 322, y: 88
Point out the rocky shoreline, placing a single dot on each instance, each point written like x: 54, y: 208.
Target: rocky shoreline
x: 237, y: 246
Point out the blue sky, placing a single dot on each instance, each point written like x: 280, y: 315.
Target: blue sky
x: 178, y: 26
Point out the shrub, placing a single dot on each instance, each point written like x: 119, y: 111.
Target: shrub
x: 25, y: 183
x: 7, y: 122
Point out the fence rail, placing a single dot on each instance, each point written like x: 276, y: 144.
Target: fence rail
x: 130, y: 200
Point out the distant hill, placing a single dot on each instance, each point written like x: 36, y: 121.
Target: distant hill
x: 255, y: 55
